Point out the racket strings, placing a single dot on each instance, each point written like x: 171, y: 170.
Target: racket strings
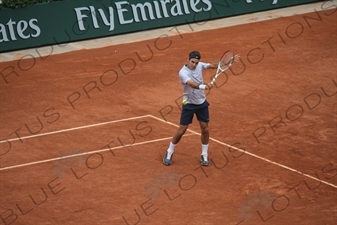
x: 227, y: 59
x: 225, y: 62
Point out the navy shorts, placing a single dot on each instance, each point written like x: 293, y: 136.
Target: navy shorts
x: 189, y: 110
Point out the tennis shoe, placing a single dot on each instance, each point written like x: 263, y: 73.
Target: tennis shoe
x: 167, y: 161
x: 204, y: 160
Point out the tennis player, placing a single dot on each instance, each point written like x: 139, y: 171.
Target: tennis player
x: 194, y: 102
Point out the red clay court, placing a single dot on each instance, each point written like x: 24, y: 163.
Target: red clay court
x: 83, y: 133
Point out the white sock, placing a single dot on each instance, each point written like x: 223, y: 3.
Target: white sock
x: 170, y: 150
x: 204, y: 149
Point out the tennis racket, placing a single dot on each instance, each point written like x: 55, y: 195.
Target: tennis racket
x: 225, y: 62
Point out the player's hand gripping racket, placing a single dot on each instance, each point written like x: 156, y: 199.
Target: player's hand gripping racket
x: 225, y: 62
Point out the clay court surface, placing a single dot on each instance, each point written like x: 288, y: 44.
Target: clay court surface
x: 84, y: 132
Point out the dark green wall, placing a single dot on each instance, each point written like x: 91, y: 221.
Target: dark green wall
x: 73, y: 20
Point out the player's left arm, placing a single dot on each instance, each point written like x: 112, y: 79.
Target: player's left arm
x: 236, y: 57
x: 212, y: 66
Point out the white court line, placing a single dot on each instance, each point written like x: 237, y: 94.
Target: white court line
x: 251, y: 154
x: 75, y: 128
x: 161, y: 139
x: 86, y: 153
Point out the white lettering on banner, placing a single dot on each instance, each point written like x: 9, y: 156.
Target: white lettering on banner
x: 107, y: 22
x: 141, y: 7
x: 250, y: 1
x: 81, y: 16
x: 128, y: 13
x: 23, y: 29
x: 120, y: 12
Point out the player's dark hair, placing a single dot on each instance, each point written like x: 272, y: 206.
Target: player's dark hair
x: 194, y: 55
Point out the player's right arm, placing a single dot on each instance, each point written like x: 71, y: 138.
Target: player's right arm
x: 195, y: 85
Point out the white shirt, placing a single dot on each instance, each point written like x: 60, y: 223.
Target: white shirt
x: 194, y: 96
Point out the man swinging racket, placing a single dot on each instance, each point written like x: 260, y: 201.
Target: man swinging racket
x: 195, y: 102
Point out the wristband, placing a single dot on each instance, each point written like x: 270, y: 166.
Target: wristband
x: 202, y: 86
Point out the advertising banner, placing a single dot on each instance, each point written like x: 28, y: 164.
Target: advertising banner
x: 73, y: 20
